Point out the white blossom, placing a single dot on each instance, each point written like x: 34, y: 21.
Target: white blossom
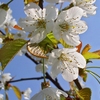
x: 20, y: 35
x: 49, y: 94
x: 66, y: 61
x: 27, y: 94
x: 6, y: 77
x: 56, y: 1
x: 1, y: 97
x: 39, y: 68
x: 1, y: 40
x: 6, y: 19
x: 87, y: 5
x: 38, y: 21
x: 68, y: 26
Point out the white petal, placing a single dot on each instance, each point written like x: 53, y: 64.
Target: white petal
x: 80, y: 59
x: 27, y: 93
x: 69, y: 50
x: 79, y: 27
x: 56, y: 1
x: 51, y: 12
x: 3, y: 15
x: 27, y: 24
x: 68, y: 76
x: 1, y: 97
x: 49, y: 94
x: 71, y: 39
x: 39, y: 36
x: 75, y: 13
x: 33, y: 10
x: 55, y: 70
x: 39, y: 68
x: 49, y: 26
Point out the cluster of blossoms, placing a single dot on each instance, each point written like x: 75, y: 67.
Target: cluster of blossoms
x: 65, y: 24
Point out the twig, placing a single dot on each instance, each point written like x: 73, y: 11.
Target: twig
x: 26, y: 79
x: 41, y: 4
x: 78, y: 84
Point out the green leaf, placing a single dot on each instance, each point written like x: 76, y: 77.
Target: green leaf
x: 64, y: 43
x: 29, y: 1
x: 94, y: 75
x: 48, y: 41
x: 62, y: 97
x: 9, y: 50
x: 17, y: 92
x: 83, y: 74
x: 85, y: 94
x: 90, y: 55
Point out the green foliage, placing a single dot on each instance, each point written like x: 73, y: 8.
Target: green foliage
x: 17, y: 92
x: 84, y: 94
x: 89, y: 55
x: 49, y: 42
x: 64, y: 44
x: 62, y: 97
x: 9, y: 50
x: 83, y: 74
x: 29, y: 1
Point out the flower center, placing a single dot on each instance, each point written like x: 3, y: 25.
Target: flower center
x: 64, y: 27
x: 41, y: 23
x: 87, y: 0
x: 64, y: 58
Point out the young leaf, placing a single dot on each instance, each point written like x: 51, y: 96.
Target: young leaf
x: 17, y: 92
x: 90, y: 55
x: 83, y: 74
x: 64, y: 44
x: 79, y: 47
x: 9, y: 50
x: 85, y: 93
x: 86, y: 49
x: 97, y: 52
x: 29, y: 1
x: 48, y: 41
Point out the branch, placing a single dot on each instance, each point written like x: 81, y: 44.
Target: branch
x: 28, y: 56
x: 55, y: 82
x: 26, y: 79
x: 78, y: 84
x: 41, y: 4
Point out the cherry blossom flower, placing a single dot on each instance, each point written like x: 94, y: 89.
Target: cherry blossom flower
x: 6, y: 77
x: 38, y: 21
x: 68, y: 26
x: 6, y: 19
x: 1, y: 97
x: 66, y: 61
x: 49, y: 94
x: 56, y: 1
x: 87, y: 6
x: 39, y: 68
x: 27, y: 94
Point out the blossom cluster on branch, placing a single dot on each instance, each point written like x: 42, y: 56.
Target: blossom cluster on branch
x: 38, y: 37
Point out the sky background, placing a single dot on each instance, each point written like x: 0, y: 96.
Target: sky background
x: 22, y: 67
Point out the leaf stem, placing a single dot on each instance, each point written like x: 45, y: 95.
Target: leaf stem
x: 93, y: 73
x: 95, y: 77
x: 50, y: 47
x: 92, y: 67
x: 44, y: 72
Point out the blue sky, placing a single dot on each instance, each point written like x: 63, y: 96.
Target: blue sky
x: 21, y: 67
